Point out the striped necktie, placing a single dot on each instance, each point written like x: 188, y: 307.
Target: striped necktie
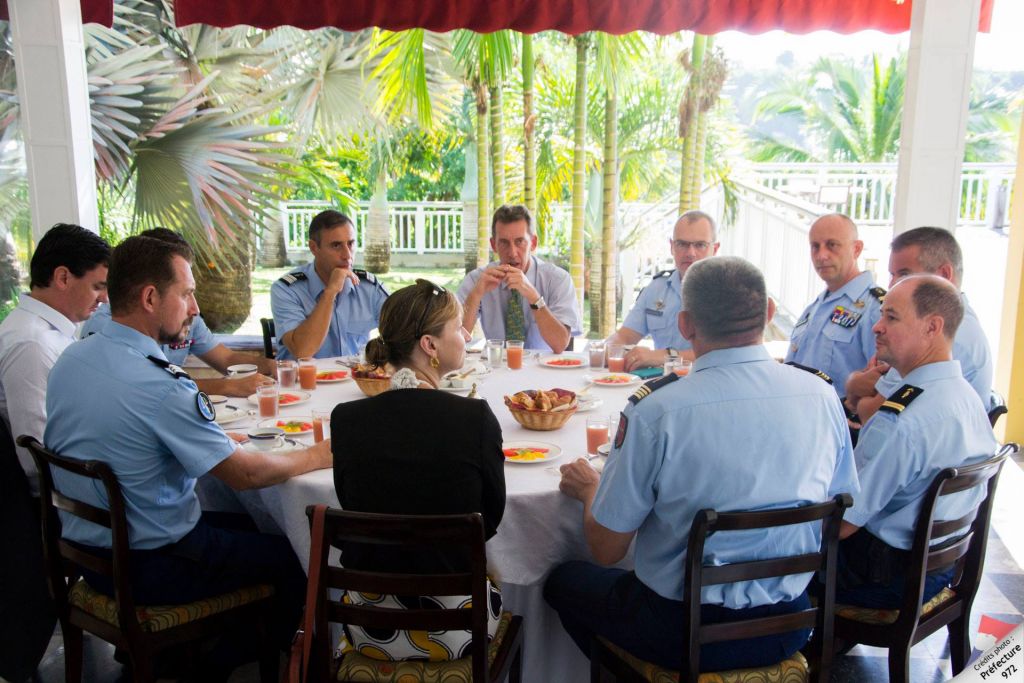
x: 515, y: 326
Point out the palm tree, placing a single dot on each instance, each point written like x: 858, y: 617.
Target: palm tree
x: 529, y: 147
x: 582, y: 43
x: 706, y: 70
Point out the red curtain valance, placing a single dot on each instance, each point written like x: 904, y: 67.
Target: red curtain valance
x: 93, y: 12
x: 568, y: 16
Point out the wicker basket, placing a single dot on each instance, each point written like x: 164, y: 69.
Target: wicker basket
x: 542, y: 421
x: 371, y: 386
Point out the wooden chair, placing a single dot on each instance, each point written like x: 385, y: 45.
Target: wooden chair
x: 311, y: 651
x: 901, y: 629
x: 608, y: 658
x: 997, y: 408
x: 140, y: 630
x: 269, y: 338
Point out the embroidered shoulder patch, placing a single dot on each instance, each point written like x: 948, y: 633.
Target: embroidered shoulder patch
x: 901, y: 398
x: 650, y: 387
x: 291, y: 278
x: 813, y: 371
x: 620, y: 433
x: 205, y: 406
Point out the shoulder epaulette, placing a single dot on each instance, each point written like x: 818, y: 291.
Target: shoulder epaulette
x: 365, y: 275
x: 901, y: 398
x: 291, y: 278
x: 878, y: 293
x: 813, y: 371
x: 664, y: 273
x: 651, y: 386
x: 173, y: 369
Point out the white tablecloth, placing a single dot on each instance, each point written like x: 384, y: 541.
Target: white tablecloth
x: 541, y: 527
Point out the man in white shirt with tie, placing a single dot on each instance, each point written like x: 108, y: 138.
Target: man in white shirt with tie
x: 68, y: 281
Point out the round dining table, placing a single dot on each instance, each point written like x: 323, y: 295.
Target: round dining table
x: 541, y: 527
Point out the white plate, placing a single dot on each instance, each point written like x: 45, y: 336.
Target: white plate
x: 588, y: 403
x: 226, y: 414
x: 272, y: 422
x: 303, y: 397
x: 545, y: 361
x: 347, y: 377
x: 290, y: 444
x: 554, y: 452
x: 633, y: 380
x: 217, y: 399
x: 242, y: 370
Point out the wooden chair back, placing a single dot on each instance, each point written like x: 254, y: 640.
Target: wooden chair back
x: 698, y: 575
x: 412, y: 532
x: 269, y: 337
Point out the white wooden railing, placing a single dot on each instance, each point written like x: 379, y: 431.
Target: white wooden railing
x: 865, y: 192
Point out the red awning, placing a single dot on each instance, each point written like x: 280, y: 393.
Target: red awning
x: 568, y: 16
x: 93, y: 12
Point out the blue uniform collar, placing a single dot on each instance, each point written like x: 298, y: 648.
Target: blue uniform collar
x: 733, y: 356
x: 315, y: 284
x: 855, y: 289
x: 930, y: 372
x: 132, y: 338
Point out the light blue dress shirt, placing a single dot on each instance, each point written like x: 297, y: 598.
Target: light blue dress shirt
x: 200, y: 339
x: 898, y: 455
x: 834, y: 332
x: 656, y: 312
x: 970, y: 347
x: 550, y: 281
x: 741, y: 432
x: 107, y: 401
x: 356, y: 311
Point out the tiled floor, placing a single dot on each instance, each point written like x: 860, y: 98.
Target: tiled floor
x: 1000, y: 598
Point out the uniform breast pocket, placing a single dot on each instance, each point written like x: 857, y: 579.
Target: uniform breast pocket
x: 359, y: 326
x: 840, y: 334
x: 657, y: 320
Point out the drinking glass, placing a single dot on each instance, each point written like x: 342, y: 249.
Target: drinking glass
x: 286, y: 373
x: 597, y: 432
x: 321, y: 425
x: 616, y: 358
x: 307, y: 373
x: 267, y: 396
x: 596, y: 349
x: 514, y: 354
x: 494, y: 347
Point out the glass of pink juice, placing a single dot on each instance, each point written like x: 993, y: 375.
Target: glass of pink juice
x: 307, y: 373
x: 267, y: 396
x: 597, y: 433
x: 616, y: 358
x: 321, y: 425
x: 514, y: 354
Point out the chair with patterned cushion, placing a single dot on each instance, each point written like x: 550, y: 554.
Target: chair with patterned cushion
x: 141, y: 631
x: 489, y: 659
x: 606, y: 658
x: 901, y: 629
x: 269, y: 339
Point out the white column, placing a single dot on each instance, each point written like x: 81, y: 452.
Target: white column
x: 54, y: 97
x: 938, y: 87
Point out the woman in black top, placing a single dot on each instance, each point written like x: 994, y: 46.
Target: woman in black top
x: 413, y: 449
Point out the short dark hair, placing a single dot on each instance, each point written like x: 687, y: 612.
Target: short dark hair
x: 935, y: 296
x: 72, y: 246
x: 407, y: 315
x: 937, y: 247
x: 325, y: 220
x: 168, y: 235
x: 726, y: 299
x: 137, y: 263
x: 511, y: 213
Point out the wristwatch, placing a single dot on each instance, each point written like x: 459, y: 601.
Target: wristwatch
x: 538, y: 304
x: 672, y: 353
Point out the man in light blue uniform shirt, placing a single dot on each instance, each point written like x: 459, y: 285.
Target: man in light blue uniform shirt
x: 543, y: 294
x: 326, y: 307
x: 656, y: 310
x: 155, y: 429
x: 741, y: 432
x: 834, y: 332
x: 200, y: 343
x: 926, y: 250
x: 932, y: 422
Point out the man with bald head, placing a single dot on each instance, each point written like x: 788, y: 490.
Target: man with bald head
x: 833, y: 334
x: 933, y: 421
x: 656, y: 310
x: 926, y: 250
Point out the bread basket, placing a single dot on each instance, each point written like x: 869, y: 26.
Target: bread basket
x: 543, y: 420
x: 373, y: 385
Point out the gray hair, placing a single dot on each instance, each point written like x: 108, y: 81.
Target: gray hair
x: 937, y: 296
x: 511, y: 213
x: 937, y: 248
x: 694, y: 215
x: 726, y: 299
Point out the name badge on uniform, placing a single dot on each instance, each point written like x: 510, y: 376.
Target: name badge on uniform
x: 654, y: 312
x: 844, y: 317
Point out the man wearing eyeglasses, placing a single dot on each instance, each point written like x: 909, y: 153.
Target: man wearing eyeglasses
x: 521, y: 296
x: 327, y: 308
x: 656, y: 310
